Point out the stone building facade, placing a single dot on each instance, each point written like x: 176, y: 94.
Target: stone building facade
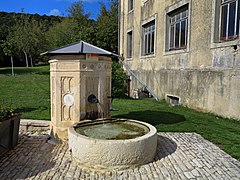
x: 186, y: 51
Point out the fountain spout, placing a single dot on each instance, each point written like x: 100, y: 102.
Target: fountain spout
x: 93, y: 99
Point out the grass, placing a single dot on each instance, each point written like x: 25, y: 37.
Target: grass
x: 223, y: 132
x: 29, y: 93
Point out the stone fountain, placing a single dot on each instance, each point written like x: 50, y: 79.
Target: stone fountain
x: 112, y: 144
x: 77, y: 71
x: 80, y: 76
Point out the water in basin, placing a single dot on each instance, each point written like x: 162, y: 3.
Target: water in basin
x: 112, y: 130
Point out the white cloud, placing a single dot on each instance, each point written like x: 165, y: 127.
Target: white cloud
x: 54, y: 12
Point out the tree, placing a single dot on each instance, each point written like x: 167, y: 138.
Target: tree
x: 37, y: 26
x: 107, y: 29
x: 119, y: 86
x: 107, y: 38
x: 28, y: 37
x: 88, y: 32
x: 76, y: 11
x: 62, y: 33
x: 76, y: 26
x: 86, y: 29
x: 8, y: 49
x: 36, y: 40
x: 20, y: 36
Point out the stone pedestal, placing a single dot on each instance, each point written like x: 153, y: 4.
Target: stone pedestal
x: 73, y: 79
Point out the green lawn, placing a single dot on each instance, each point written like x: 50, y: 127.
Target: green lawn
x: 221, y: 131
x: 28, y: 92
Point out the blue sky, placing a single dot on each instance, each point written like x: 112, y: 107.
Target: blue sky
x: 48, y: 7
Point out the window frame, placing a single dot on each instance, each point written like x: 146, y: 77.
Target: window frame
x: 227, y: 3
x: 175, y: 9
x: 216, y: 41
x: 152, y: 32
x: 176, y: 19
x: 129, y: 54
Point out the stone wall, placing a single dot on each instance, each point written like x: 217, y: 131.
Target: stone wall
x: 205, y: 75
x: 207, y: 90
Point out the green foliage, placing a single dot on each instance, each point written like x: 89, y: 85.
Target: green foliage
x: 107, y: 26
x: 29, y: 35
x: 24, y: 32
x: 119, y: 86
x: 88, y: 33
x: 76, y: 11
x: 6, y: 22
x: 62, y: 34
x: 8, y: 47
x: 6, y: 112
x: 76, y: 26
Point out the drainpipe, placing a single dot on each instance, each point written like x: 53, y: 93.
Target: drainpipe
x: 119, y: 18
x: 121, y: 24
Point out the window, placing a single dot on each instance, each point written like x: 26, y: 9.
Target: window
x: 177, y: 28
x: 130, y: 5
x: 129, y: 44
x: 225, y: 23
x: 148, y: 39
x: 229, y: 20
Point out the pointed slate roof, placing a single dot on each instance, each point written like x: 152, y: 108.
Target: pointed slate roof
x: 79, y: 47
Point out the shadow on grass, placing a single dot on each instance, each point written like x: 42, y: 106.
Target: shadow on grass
x: 19, y: 71
x: 16, y: 71
x: 154, y: 117
x: 29, y: 109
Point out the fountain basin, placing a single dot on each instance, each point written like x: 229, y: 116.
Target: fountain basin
x: 109, y: 152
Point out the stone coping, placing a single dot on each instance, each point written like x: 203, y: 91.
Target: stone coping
x: 34, y: 125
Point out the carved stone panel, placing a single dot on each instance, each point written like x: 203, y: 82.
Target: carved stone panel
x: 67, y: 98
x: 53, y: 96
x: 92, y: 84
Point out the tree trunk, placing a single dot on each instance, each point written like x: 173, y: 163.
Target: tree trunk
x: 26, y: 58
x: 31, y: 60
x: 12, y: 65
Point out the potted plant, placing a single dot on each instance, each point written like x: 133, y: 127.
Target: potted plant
x: 9, y: 128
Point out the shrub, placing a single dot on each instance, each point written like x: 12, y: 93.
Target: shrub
x: 119, y: 85
x: 6, y: 112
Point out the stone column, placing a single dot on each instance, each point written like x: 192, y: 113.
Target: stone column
x: 73, y: 79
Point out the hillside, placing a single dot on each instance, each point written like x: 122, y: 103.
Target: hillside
x: 9, y: 20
